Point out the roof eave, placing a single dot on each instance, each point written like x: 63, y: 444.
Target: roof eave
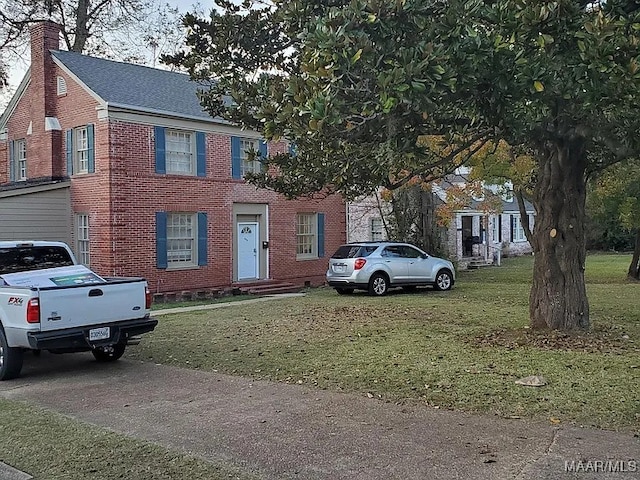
x: 13, y: 103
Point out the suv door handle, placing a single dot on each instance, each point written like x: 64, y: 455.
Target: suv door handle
x: 96, y: 292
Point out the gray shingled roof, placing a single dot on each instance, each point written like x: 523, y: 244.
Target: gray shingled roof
x: 136, y: 86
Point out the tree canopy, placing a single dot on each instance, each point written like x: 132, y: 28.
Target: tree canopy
x: 137, y: 31
x: 357, y: 85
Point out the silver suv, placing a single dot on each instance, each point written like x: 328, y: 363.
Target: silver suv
x: 378, y: 266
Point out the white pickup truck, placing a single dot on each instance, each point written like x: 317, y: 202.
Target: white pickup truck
x: 49, y: 302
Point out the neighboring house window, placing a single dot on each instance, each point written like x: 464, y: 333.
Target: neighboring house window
x: 518, y: 231
x: 18, y: 160
x: 377, y: 229
x: 82, y: 233
x: 181, y: 239
x: 179, y: 152
x: 240, y: 162
x: 309, y: 235
x: 80, y: 150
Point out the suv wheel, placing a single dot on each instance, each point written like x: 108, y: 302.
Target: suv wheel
x: 378, y: 284
x: 444, y: 280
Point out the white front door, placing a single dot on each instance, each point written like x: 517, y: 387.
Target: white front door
x: 248, y: 253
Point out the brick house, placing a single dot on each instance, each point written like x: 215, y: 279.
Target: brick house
x: 120, y: 161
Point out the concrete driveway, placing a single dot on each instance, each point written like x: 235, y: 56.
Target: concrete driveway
x: 283, y: 431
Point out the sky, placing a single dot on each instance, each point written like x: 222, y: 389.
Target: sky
x: 18, y: 68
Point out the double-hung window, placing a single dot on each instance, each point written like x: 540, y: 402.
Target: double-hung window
x: 81, y: 161
x: 306, y: 235
x: 179, y: 152
x: 377, y: 230
x: 309, y: 235
x: 518, y: 230
x: 246, y: 156
x: 181, y: 239
x: 18, y: 161
x: 80, y: 150
x: 82, y: 239
x: 248, y: 160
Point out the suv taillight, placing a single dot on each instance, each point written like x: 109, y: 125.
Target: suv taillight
x: 33, y: 311
x: 148, y: 299
x: 359, y: 263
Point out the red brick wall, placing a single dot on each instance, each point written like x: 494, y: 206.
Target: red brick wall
x: 138, y: 193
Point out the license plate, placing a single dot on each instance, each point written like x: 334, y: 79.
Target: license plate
x: 339, y: 268
x: 102, y: 333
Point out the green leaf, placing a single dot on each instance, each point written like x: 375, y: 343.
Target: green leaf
x: 538, y: 86
x: 356, y: 56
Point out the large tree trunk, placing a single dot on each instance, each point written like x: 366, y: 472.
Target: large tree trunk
x: 558, y: 297
x: 634, y: 268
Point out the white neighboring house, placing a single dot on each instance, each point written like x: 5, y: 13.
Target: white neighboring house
x: 472, y: 235
x: 365, y: 220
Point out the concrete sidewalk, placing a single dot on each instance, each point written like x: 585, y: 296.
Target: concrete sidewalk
x: 280, y: 431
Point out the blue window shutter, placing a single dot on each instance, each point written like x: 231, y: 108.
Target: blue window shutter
x: 202, y: 238
x: 69, y: 147
x: 201, y: 155
x: 293, y: 150
x: 12, y: 162
x: 235, y: 157
x: 264, y: 153
x: 91, y: 151
x: 500, y: 227
x: 161, y: 160
x: 161, y: 239
x: 320, y: 235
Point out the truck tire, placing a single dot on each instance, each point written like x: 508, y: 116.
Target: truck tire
x: 109, y: 353
x: 10, y: 359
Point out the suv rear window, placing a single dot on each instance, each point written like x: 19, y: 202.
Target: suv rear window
x: 354, y: 251
x: 23, y: 259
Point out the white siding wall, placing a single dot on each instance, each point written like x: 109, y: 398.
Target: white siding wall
x: 36, y: 213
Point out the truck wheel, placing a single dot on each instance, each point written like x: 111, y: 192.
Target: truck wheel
x: 10, y: 359
x: 109, y: 353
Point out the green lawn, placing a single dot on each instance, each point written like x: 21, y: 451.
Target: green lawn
x: 51, y: 446
x: 461, y: 349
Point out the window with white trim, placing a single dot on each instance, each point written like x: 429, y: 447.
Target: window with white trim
x: 181, y: 239
x: 518, y: 230
x: 306, y: 235
x: 246, y: 164
x: 180, y: 152
x: 82, y: 239
x: 20, y: 153
x: 81, y: 150
x: 377, y: 230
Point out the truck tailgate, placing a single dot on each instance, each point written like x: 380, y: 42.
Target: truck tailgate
x: 75, y: 306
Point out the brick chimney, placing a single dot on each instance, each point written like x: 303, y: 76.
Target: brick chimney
x: 45, y: 152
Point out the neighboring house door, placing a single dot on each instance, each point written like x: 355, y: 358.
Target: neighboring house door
x: 248, y: 258
x: 467, y: 236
